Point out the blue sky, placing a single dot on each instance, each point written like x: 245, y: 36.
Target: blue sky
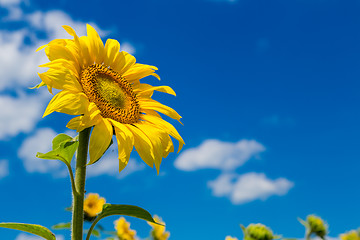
x: 268, y: 92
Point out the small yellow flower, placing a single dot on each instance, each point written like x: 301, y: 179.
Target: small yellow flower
x: 158, y: 232
x: 93, y: 204
x: 352, y: 235
x: 123, y: 230
x: 101, y: 86
x: 230, y: 238
x: 316, y: 226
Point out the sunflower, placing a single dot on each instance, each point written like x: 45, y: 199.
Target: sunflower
x: 102, y: 85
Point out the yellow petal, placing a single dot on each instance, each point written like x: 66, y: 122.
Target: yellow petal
x: 123, y: 61
x: 96, y: 45
x: 148, y: 103
x: 71, y: 32
x: 143, y: 145
x: 60, y: 52
x: 125, y: 140
x: 125, y: 145
x: 168, y: 145
x: 138, y: 71
x: 162, y: 124
x: 78, y: 124
x: 87, y: 60
x: 60, y: 64
x: 61, y: 79
x: 112, y: 48
x: 147, y: 90
x: 99, y: 140
x: 92, y: 114
x: 67, y: 102
x: 154, y: 135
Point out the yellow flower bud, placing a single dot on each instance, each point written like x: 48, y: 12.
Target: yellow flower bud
x: 257, y: 232
x: 316, y: 226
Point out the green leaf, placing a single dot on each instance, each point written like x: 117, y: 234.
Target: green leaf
x: 64, y: 148
x: 243, y: 228
x: 94, y: 232
x: 30, y: 228
x: 119, y: 209
x: 303, y: 222
x: 60, y: 226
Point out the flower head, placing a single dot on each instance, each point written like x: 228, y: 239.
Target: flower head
x: 93, y: 204
x: 257, y: 232
x: 123, y: 230
x: 102, y: 86
x: 316, y: 226
x: 352, y: 235
x: 158, y: 232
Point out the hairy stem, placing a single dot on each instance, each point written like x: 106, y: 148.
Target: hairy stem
x: 79, y: 191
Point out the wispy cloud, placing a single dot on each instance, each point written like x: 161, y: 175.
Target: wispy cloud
x: 21, y: 113
x: 218, y: 155
x: 248, y: 187
x: 4, y: 168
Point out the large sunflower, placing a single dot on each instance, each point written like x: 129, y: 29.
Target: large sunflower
x: 102, y: 85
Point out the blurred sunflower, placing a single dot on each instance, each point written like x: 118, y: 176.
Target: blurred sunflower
x: 93, y: 205
x: 102, y: 85
x: 158, y: 232
x: 123, y: 230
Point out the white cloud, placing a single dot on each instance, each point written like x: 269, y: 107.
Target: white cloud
x: 24, y: 236
x: 219, y: 155
x: 20, y: 114
x: 127, y: 47
x: 41, y: 141
x: 248, y: 187
x: 109, y: 165
x: 18, y: 61
x: 4, y: 168
x: 10, y: 2
x: 51, y: 23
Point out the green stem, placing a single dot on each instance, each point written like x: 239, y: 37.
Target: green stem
x: 307, y: 235
x: 79, y: 191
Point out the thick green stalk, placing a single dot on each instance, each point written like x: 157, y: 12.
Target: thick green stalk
x: 79, y: 191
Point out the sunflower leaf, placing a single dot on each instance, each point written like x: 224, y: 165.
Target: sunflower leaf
x: 60, y: 226
x: 64, y: 148
x: 30, y: 228
x: 94, y: 232
x: 119, y: 209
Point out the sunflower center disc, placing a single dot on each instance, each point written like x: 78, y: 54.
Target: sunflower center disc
x: 111, y: 93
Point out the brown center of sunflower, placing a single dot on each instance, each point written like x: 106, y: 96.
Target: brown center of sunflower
x: 111, y: 93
